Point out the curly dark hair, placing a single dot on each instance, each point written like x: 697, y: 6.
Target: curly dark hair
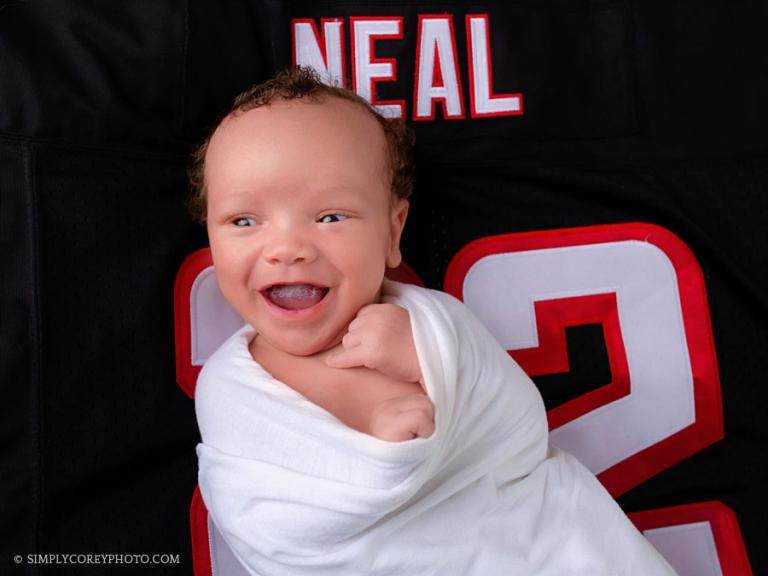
x: 297, y: 83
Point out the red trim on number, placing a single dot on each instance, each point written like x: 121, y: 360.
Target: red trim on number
x: 373, y: 60
x: 722, y: 520
x: 551, y: 356
x: 201, y: 546
x: 193, y: 265
x: 708, y: 427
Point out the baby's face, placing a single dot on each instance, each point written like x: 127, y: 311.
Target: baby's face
x: 300, y: 219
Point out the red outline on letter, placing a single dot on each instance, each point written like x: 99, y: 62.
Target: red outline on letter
x: 373, y: 60
x: 491, y: 96
x: 320, y: 40
x: 437, y: 70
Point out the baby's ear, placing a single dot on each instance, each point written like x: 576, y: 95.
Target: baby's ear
x: 397, y: 217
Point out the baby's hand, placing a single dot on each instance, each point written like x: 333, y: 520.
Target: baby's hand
x: 380, y: 338
x: 403, y: 418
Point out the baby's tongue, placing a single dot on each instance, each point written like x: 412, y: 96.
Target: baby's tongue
x: 295, y: 296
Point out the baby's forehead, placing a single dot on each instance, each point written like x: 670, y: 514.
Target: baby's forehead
x: 336, y: 122
x: 331, y: 143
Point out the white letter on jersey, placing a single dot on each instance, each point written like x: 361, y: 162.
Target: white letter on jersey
x: 483, y: 101
x: 367, y: 70
x: 324, y: 53
x: 437, y: 71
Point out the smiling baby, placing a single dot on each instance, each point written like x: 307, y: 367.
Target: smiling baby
x: 356, y: 425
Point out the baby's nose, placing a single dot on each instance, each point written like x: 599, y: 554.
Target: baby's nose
x: 289, y: 250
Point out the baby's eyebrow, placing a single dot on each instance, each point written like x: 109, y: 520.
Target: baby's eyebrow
x: 336, y: 188
x: 233, y: 198
x: 336, y: 195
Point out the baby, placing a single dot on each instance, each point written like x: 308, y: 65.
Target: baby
x: 356, y: 425
x: 306, y: 200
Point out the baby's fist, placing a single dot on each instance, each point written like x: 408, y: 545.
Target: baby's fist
x: 380, y: 338
x: 403, y: 418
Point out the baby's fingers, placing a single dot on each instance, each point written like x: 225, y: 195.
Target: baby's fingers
x: 419, y: 411
x: 404, y: 418
x: 420, y: 422
x: 346, y: 358
x: 351, y: 340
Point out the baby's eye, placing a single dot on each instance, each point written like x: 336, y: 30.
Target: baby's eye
x: 244, y: 221
x: 328, y: 218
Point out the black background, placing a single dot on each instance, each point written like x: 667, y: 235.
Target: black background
x: 634, y: 111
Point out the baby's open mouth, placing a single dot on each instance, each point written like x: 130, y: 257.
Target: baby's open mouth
x: 295, y: 296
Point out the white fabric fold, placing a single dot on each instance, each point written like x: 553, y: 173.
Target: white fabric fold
x: 294, y: 491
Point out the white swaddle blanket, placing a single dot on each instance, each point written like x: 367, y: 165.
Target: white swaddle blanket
x: 295, y: 491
